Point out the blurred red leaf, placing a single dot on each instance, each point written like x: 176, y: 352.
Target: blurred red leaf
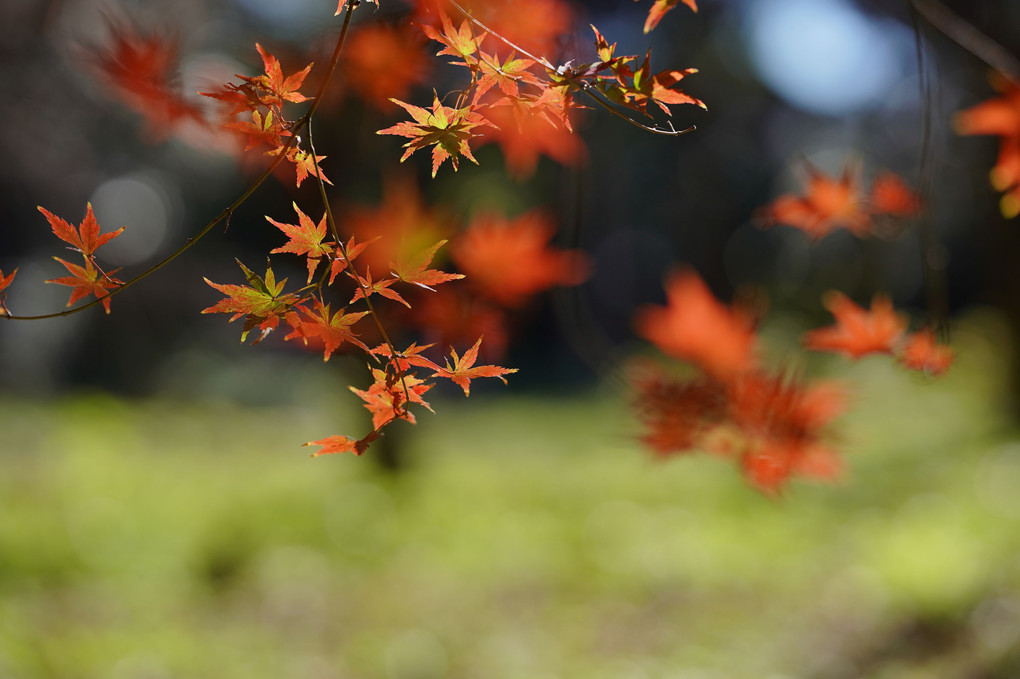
x: 858, y: 332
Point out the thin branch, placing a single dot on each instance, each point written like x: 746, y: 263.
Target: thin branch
x: 969, y: 38
x: 671, y: 132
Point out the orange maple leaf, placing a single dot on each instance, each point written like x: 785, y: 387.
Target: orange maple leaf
x: 891, y: 195
x: 830, y: 203
x: 332, y: 329
x: 922, y: 352
x: 858, y: 332
x: 384, y: 62
x: 464, y: 370
x: 87, y: 280
x: 447, y: 130
x: 388, y: 397
x: 337, y: 443
x: 508, y: 261
x: 142, y: 71
x: 4, y: 282
x: 524, y: 132
x: 660, y: 8
x: 415, y: 269
x: 694, y: 326
x: 273, y: 82
x: 86, y: 239
x: 999, y: 116
x: 305, y: 239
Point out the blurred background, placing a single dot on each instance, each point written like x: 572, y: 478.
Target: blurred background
x: 158, y: 517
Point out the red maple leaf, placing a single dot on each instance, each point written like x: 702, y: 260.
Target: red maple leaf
x: 338, y: 444
x: 508, y: 261
x: 86, y: 239
x: 858, y: 332
x: 922, y: 352
x: 305, y: 239
x: 464, y: 370
x: 694, y: 326
x: 87, y: 280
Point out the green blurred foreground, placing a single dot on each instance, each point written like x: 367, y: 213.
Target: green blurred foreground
x: 529, y: 539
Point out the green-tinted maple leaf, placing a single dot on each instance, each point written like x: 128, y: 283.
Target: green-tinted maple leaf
x: 86, y: 239
x: 305, y: 239
x: 415, y: 269
x: 332, y: 329
x: 658, y: 88
x: 447, y: 130
x: 261, y: 302
x: 87, y: 280
x: 463, y: 369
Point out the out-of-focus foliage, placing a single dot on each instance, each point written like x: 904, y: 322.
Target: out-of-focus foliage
x: 157, y: 539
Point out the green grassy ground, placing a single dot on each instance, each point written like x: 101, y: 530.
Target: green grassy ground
x: 530, y: 539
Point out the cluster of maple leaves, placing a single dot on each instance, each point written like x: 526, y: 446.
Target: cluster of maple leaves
x: 776, y: 426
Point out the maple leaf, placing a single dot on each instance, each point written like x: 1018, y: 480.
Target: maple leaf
x: 660, y: 8
x: 658, y: 88
x: 891, y: 195
x: 304, y: 165
x: 4, y: 282
x: 858, y: 332
x: 451, y: 316
x: 388, y: 397
x: 922, y: 352
x: 305, y: 239
x: 384, y: 62
x: 141, y: 70
x: 411, y: 356
x: 508, y: 261
x: 695, y: 327
x: 352, y: 251
x: 263, y: 129
x: 524, y: 132
x: 461, y: 43
x: 999, y: 116
x: 464, y: 370
x: 830, y: 203
x: 86, y: 239
x: 87, y: 280
x: 332, y: 329
x: 415, y: 269
x: 402, y: 224
x: 280, y: 88
x: 338, y: 444
x: 368, y: 287
x: 447, y: 130
x: 261, y: 302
